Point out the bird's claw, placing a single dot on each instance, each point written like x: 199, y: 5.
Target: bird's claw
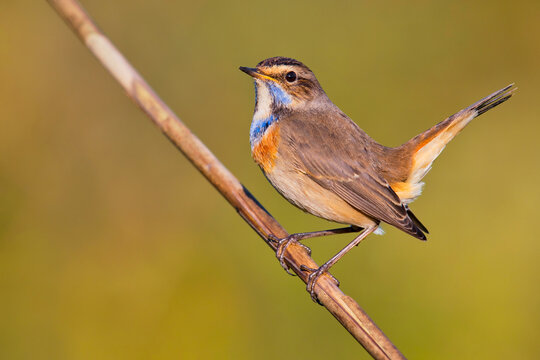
x: 314, y: 277
x: 282, y: 245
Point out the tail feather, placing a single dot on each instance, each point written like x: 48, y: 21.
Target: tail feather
x: 424, y: 148
x: 495, y: 99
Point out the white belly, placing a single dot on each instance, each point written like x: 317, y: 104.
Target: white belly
x: 309, y: 196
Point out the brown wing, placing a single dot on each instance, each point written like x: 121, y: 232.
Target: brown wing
x: 335, y: 154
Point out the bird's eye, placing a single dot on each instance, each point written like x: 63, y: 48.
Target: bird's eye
x: 291, y: 76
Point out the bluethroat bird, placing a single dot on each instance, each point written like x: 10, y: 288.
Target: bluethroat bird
x: 322, y: 162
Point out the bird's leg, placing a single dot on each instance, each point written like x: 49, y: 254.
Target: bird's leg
x: 283, y: 244
x: 317, y: 273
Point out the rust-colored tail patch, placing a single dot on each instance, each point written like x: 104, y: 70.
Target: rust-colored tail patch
x: 423, y: 149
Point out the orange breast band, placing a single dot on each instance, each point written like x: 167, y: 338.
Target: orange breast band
x: 265, y: 150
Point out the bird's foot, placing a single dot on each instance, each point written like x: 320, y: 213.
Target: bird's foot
x: 314, y: 277
x: 282, y: 245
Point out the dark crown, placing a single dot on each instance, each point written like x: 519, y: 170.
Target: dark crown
x: 280, y: 60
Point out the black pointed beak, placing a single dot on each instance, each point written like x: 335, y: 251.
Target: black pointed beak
x: 255, y: 73
x: 250, y: 71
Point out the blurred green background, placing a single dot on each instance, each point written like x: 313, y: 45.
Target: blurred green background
x: 112, y: 246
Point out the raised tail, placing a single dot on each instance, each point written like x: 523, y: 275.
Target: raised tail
x: 423, y: 149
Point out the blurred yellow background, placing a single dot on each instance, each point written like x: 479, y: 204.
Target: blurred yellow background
x: 112, y: 246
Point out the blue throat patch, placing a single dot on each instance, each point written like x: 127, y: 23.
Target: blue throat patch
x: 259, y: 127
x: 279, y: 95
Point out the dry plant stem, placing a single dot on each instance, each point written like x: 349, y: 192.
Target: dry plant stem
x: 344, y: 308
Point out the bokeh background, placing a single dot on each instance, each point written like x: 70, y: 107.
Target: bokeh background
x: 112, y: 246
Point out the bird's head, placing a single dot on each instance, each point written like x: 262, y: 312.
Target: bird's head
x: 283, y: 84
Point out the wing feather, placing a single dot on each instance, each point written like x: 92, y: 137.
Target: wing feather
x: 334, y: 153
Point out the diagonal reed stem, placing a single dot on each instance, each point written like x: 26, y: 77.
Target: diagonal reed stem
x: 343, y: 307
